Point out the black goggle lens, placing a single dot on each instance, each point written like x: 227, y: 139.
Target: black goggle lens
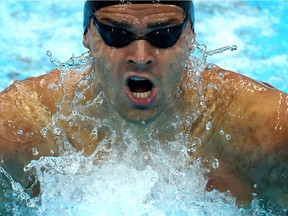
x: 120, y: 37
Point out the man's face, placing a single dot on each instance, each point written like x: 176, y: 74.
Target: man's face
x: 139, y: 79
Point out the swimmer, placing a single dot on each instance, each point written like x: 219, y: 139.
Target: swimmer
x: 139, y: 52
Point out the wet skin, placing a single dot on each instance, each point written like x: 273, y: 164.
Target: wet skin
x: 255, y: 115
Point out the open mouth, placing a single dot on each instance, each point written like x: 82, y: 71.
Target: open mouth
x: 140, y: 91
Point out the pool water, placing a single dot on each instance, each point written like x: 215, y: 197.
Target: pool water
x: 75, y: 184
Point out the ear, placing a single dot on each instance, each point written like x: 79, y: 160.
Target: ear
x: 86, y: 40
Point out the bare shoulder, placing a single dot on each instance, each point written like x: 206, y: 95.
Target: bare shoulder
x: 250, y: 132
x: 252, y: 108
x: 26, y: 107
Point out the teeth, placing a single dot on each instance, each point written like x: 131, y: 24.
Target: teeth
x: 137, y: 78
x: 142, y: 94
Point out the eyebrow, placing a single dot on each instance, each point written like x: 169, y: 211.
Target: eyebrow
x: 117, y: 23
x: 166, y: 23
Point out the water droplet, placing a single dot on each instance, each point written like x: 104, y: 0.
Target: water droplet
x: 228, y: 136
x: 43, y: 131
x: 49, y: 53
x: 221, y: 132
x: 35, y: 151
x: 57, y: 131
x: 143, y: 122
x: 255, y: 185
x: 52, y: 86
x: 210, y: 85
x: 215, y: 163
x: 208, y: 125
x: 221, y: 75
x: 80, y: 95
x: 52, y: 151
x: 20, y: 132
x: 178, y: 92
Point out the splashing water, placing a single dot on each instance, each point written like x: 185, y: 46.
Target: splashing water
x: 126, y: 173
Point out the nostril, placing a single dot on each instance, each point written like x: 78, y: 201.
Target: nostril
x: 130, y: 61
x: 139, y: 62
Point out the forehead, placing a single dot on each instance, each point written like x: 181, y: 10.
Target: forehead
x: 147, y: 13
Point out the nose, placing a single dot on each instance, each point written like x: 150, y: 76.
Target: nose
x: 140, y: 54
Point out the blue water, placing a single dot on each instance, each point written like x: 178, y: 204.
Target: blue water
x: 258, y: 28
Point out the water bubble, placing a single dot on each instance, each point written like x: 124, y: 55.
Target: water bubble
x: 49, y: 54
x: 221, y: 132
x: 228, y: 136
x: 35, y: 151
x: 210, y: 85
x: 52, y: 86
x: 215, y: 163
x: 178, y: 92
x: 20, y: 132
x: 27, y: 168
x: 143, y: 122
x: 221, y: 75
x: 255, y: 185
x: 94, y: 134
x: 57, y: 131
x: 208, y: 125
x: 80, y: 95
x: 43, y: 131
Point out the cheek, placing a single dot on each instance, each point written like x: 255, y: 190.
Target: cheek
x: 105, y: 57
x: 174, y: 70
x: 175, y: 63
x: 106, y: 65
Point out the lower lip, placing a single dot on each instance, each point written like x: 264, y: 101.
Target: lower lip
x: 144, y: 102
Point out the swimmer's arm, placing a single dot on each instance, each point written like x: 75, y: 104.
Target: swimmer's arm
x: 259, y: 134
x: 250, y: 131
x: 26, y: 107
x: 255, y: 115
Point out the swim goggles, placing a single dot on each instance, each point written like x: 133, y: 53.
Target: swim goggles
x: 119, y: 37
